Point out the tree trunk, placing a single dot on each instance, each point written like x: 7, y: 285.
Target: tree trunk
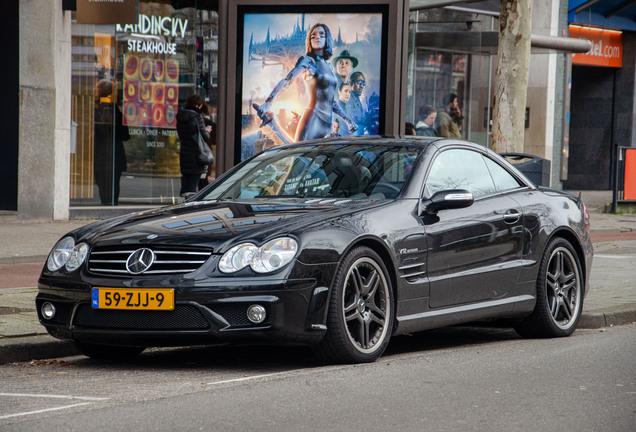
x: 511, y: 85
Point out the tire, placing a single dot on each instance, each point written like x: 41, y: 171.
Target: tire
x: 108, y: 352
x: 559, y: 293
x: 360, y: 317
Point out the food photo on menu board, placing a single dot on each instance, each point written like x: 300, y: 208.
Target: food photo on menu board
x: 151, y: 93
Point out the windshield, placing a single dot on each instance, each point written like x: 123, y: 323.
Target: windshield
x: 320, y: 171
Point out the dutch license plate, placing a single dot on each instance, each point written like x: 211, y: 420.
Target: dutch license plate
x: 135, y: 299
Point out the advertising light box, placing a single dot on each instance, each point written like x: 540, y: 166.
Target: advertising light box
x: 309, y: 73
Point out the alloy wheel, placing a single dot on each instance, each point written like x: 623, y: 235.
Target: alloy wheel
x: 366, y: 304
x: 563, y: 287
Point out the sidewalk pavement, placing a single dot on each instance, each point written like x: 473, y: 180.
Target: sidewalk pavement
x: 24, y: 247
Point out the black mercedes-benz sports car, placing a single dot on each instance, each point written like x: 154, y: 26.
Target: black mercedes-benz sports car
x: 337, y: 244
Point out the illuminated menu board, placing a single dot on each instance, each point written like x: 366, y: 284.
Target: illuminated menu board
x: 151, y: 93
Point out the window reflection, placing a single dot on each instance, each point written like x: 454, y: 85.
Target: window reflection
x: 153, y: 66
x: 460, y: 169
x: 328, y: 172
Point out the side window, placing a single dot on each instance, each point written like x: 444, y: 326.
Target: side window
x: 502, y: 178
x: 460, y: 169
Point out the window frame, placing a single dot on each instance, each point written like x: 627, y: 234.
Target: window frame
x: 486, y: 156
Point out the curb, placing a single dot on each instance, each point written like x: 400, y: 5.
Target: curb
x: 21, y: 349
x: 25, y: 259
x: 610, y: 316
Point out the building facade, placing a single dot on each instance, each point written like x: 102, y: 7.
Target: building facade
x: 91, y: 117
x: 603, y: 115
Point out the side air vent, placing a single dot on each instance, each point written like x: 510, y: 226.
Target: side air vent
x: 413, y: 271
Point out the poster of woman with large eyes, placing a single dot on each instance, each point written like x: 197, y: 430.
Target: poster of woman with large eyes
x: 301, y: 72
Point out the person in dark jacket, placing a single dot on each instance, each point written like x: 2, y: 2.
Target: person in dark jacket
x: 189, y: 125
x: 109, y: 153
x: 426, y: 126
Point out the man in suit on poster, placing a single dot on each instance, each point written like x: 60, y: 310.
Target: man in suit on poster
x: 344, y: 64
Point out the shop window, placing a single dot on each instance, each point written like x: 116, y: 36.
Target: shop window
x: 448, y: 56
x: 128, y: 82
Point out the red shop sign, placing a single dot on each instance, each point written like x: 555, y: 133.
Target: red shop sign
x: 607, y: 50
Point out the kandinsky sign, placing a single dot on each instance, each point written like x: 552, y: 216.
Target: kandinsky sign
x: 607, y: 50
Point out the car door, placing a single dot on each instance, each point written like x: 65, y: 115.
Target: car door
x: 474, y: 253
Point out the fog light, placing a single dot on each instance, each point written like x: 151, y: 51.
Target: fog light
x: 256, y: 314
x: 48, y: 310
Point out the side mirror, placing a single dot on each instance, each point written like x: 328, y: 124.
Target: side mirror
x: 448, y: 199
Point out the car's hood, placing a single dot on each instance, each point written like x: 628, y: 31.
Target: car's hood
x: 216, y: 224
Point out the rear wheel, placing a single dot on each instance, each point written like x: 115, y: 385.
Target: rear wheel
x: 559, y: 293
x: 361, y: 306
x: 108, y: 352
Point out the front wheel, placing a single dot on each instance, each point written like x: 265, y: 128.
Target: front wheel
x: 360, y: 317
x: 559, y: 293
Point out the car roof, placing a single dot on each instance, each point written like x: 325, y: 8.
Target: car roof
x: 364, y: 140
x: 412, y: 141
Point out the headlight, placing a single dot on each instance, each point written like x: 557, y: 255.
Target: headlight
x: 269, y: 257
x: 238, y: 257
x: 77, y: 257
x: 66, y: 253
x: 274, y: 255
x: 60, y: 254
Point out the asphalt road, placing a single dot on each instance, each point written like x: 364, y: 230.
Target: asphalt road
x: 462, y: 378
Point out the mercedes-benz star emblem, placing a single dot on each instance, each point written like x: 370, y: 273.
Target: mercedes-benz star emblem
x: 140, y: 260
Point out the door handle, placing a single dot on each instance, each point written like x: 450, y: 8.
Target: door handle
x: 511, y: 216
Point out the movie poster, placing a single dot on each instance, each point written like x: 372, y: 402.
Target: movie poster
x: 291, y: 91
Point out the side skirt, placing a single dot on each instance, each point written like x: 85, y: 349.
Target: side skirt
x: 512, y: 307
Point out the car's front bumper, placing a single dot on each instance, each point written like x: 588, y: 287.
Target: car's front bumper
x: 295, y: 313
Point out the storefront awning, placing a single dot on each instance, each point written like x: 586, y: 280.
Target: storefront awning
x: 614, y: 14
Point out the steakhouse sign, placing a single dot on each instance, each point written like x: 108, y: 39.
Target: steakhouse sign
x: 607, y: 50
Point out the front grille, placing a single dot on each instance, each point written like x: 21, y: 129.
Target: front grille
x: 184, y: 317
x: 167, y: 260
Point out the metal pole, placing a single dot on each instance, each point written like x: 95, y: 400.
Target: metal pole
x: 614, y: 163
x: 565, y: 137
x: 615, y: 189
